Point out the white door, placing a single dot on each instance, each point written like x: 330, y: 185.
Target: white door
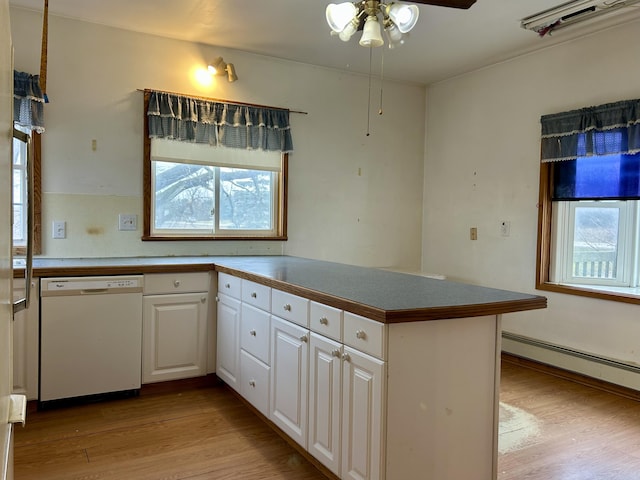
x: 289, y: 373
x: 174, y: 336
x: 228, y: 343
x: 325, y: 401
x: 6, y: 276
x: 363, y: 407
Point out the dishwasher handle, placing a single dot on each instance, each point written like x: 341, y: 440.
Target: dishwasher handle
x: 93, y: 291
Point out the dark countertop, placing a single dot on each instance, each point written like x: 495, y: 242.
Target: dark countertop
x: 382, y: 295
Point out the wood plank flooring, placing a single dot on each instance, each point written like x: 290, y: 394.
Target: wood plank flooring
x: 551, y: 429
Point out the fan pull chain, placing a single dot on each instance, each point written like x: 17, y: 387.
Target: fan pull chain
x: 369, y: 98
x: 381, y: 81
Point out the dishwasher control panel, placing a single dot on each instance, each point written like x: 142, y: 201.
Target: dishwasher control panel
x: 87, y: 285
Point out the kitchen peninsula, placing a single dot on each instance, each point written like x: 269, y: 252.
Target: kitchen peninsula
x: 417, y: 359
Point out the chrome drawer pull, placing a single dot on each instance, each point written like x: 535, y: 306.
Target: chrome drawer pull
x: 227, y: 285
x: 287, y: 307
x: 176, y: 283
x: 346, y: 357
x: 324, y: 321
x: 254, y: 295
x: 252, y: 383
x: 304, y: 338
x: 335, y: 353
x: 252, y: 333
x: 361, y: 334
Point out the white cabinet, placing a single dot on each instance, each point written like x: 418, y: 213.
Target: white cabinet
x: 325, y: 401
x: 363, y: 384
x: 26, y: 342
x: 175, y: 317
x: 228, y: 330
x: 252, y: 345
x: 227, y: 350
x: 289, y: 373
x: 377, y: 401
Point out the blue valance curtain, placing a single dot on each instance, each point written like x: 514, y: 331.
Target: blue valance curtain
x: 579, y: 133
x: 595, y: 152
x: 28, y: 101
x: 192, y: 119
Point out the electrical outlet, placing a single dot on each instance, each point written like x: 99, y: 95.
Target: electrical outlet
x: 59, y: 229
x: 473, y: 233
x: 127, y: 222
x: 505, y: 228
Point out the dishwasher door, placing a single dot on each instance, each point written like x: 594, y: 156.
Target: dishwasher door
x: 90, y: 336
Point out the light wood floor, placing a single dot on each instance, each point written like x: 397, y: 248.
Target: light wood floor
x: 552, y: 430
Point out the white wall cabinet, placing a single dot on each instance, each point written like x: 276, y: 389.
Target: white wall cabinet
x: 26, y: 328
x: 175, y: 318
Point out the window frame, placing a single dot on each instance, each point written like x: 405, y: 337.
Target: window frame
x: 280, y: 208
x: 545, y: 257
x: 36, y: 144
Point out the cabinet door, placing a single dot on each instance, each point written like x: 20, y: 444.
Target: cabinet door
x: 289, y: 373
x: 363, y: 384
x: 228, y: 341
x: 325, y: 401
x: 174, y: 336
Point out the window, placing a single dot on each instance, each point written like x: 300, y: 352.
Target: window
x: 20, y: 194
x: 589, y: 211
x: 198, y: 191
x: 20, y: 191
x: 214, y: 170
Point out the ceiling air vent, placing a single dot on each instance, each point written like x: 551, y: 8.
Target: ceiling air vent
x: 577, y: 11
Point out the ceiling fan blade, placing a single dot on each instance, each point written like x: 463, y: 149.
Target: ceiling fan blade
x: 464, y: 4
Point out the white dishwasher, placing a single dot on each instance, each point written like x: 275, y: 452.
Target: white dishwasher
x: 90, y: 338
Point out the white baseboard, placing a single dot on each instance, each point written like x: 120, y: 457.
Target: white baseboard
x: 612, y: 371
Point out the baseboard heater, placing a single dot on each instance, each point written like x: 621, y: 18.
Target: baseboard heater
x: 608, y: 370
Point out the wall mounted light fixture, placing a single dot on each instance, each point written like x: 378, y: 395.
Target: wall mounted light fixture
x: 219, y: 67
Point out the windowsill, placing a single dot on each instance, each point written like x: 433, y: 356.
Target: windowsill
x: 616, y: 294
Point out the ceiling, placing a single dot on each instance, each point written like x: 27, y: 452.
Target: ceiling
x: 446, y: 42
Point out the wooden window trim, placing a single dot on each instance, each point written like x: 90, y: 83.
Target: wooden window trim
x: 146, y: 193
x: 543, y: 259
x: 36, y: 140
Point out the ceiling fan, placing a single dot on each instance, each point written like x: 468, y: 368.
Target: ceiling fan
x: 397, y: 19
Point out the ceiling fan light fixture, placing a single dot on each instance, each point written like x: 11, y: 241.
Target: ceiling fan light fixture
x: 340, y: 15
x: 351, y: 28
x: 403, y: 16
x: 394, y: 35
x: 371, y: 36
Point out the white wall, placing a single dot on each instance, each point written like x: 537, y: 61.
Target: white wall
x: 334, y: 213
x: 482, y: 166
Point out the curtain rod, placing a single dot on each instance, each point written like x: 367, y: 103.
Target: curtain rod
x: 220, y: 100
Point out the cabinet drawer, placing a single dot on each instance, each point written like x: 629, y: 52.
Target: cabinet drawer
x: 161, y: 283
x: 254, y: 332
x: 326, y: 320
x: 365, y: 335
x: 254, y: 378
x: 229, y: 285
x: 290, y: 307
x: 256, y: 294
